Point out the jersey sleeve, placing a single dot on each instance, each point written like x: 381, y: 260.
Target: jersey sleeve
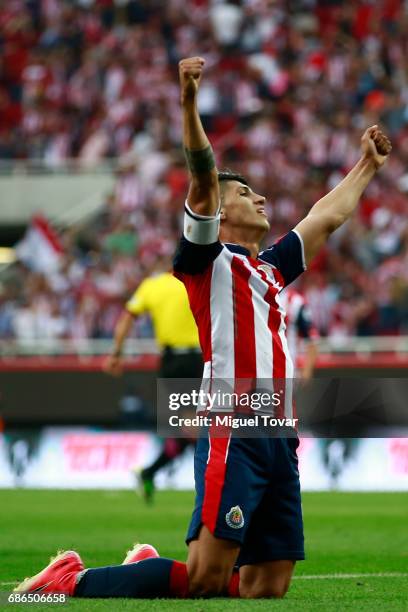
x: 287, y: 256
x: 137, y: 304
x: 199, y: 244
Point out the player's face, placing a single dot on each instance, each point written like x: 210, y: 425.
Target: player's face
x: 242, y: 207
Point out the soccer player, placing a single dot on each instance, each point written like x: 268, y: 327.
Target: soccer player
x: 246, y: 531
x: 299, y: 326
x: 164, y: 298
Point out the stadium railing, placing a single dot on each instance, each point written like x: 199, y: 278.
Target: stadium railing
x: 84, y: 346
x: 143, y: 354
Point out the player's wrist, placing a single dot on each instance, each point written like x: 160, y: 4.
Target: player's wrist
x: 369, y: 163
x: 188, y: 100
x: 117, y: 352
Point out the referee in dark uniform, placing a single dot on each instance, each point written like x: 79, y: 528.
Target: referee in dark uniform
x: 165, y: 299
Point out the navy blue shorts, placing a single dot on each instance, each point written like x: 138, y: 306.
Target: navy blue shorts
x: 248, y: 491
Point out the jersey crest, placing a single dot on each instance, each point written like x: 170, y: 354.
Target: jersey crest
x: 235, y: 518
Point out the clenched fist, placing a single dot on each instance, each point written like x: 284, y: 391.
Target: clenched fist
x: 375, y: 145
x: 113, y: 365
x: 190, y: 71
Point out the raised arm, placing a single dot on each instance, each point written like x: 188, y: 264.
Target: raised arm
x: 337, y: 206
x: 203, y: 196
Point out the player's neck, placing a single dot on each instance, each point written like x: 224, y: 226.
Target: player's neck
x: 252, y: 247
x: 249, y: 242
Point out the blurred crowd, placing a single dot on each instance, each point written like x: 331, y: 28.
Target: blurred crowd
x: 289, y: 88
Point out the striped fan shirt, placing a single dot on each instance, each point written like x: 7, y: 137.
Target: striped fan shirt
x: 298, y: 321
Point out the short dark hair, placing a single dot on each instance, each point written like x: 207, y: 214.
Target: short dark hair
x: 229, y: 175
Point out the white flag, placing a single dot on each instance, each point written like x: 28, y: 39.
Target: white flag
x: 40, y: 249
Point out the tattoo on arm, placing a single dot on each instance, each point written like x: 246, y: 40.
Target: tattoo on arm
x: 200, y: 161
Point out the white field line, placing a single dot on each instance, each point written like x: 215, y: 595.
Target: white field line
x: 350, y: 576
x: 315, y: 577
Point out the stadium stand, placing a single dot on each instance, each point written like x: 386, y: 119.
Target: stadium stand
x: 286, y: 97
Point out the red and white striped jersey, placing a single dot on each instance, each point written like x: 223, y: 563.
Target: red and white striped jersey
x: 298, y: 321
x: 236, y: 303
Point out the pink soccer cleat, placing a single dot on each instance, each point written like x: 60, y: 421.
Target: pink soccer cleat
x: 60, y: 576
x: 140, y: 552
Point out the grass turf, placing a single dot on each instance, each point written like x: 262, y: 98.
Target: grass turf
x: 346, y: 533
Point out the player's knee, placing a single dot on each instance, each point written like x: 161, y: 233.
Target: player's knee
x: 275, y: 589
x: 207, y: 582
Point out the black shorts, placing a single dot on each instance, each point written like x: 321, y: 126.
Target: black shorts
x: 248, y: 491
x: 185, y: 364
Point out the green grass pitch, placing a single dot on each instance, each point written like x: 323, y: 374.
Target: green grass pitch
x: 346, y: 533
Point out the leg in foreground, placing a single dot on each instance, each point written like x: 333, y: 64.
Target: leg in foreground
x: 210, y: 565
x: 270, y: 579
x: 209, y: 572
x: 143, y: 574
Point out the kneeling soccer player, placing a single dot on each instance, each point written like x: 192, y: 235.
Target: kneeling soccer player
x: 246, y: 531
